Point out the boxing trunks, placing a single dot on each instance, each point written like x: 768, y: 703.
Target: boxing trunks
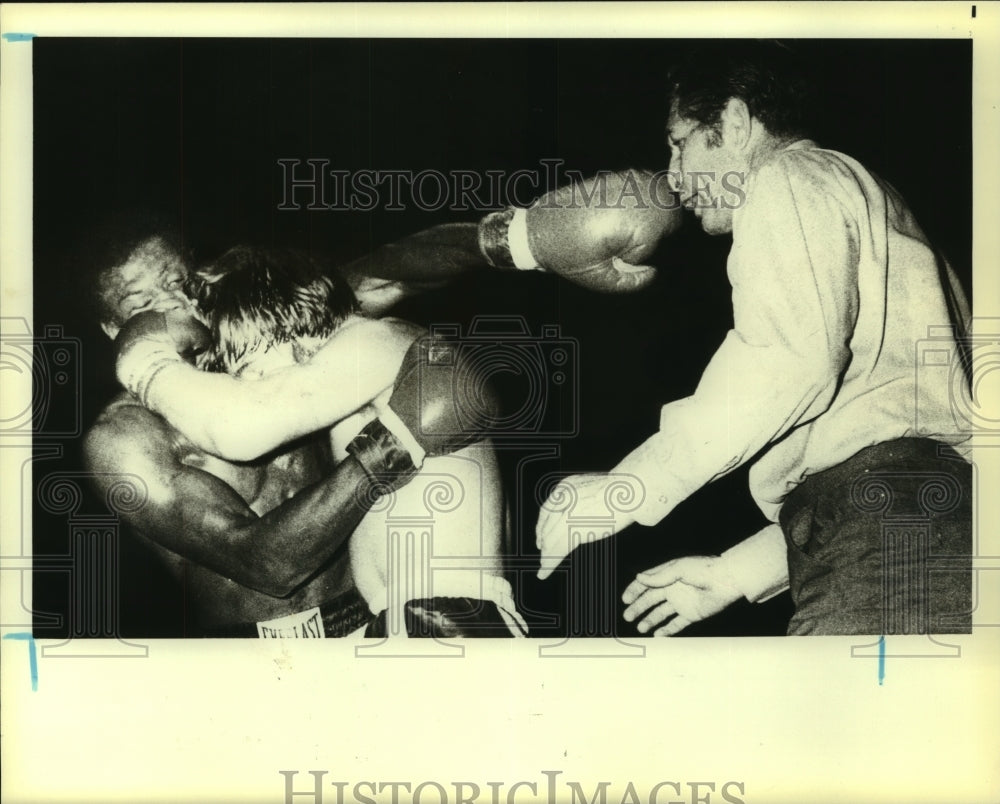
x: 337, y: 617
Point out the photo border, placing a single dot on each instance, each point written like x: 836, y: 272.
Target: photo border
x: 830, y: 719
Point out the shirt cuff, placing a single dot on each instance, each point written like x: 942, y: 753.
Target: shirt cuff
x: 661, y: 490
x: 759, y: 564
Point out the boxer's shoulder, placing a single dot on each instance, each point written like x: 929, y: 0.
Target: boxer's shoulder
x: 123, y: 428
x: 122, y: 416
x: 398, y: 334
x: 389, y: 330
x: 364, y: 340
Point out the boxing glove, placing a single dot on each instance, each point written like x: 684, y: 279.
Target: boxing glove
x: 438, y: 405
x: 150, y: 341
x: 441, y: 398
x: 595, y: 233
x: 446, y: 617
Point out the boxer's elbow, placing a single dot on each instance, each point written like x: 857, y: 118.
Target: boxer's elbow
x: 237, y: 552
x: 271, y: 578
x: 234, y: 441
x: 285, y: 581
x: 279, y: 588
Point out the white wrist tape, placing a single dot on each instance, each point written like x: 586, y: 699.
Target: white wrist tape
x: 402, y: 433
x: 517, y: 241
x: 143, y: 362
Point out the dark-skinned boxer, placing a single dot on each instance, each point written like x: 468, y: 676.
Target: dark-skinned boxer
x: 259, y: 546
x: 251, y: 542
x: 612, y: 217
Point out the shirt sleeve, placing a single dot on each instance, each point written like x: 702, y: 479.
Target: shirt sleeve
x: 793, y: 267
x: 759, y: 564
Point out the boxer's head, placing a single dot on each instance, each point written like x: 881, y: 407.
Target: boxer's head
x: 267, y: 308
x: 731, y: 104
x: 133, y: 263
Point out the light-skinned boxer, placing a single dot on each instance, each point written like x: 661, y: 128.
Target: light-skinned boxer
x: 260, y: 546
x: 270, y: 311
x: 595, y: 233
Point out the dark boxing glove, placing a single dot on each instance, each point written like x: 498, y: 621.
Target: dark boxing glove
x: 152, y: 340
x: 441, y: 399
x: 384, y: 456
x: 446, y: 617
x: 438, y: 405
x: 595, y: 233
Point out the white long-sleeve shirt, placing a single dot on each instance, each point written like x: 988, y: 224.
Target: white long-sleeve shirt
x: 834, y: 284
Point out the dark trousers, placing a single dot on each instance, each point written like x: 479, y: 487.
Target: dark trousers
x: 882, y: 543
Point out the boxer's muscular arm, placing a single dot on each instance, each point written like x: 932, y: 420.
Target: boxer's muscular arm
x: 240, y: 420
x: 194, y: 514
x: 423, y: 261
x: 594, y: 233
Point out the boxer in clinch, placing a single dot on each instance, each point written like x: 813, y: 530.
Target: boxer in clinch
x: 269, y: 311
x: 258, y: 545
x: 595, y: 234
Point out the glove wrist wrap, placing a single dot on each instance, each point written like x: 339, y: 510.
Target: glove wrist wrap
x: 494, y: 231
x: 503, y: 240
x: 382, y: 456
x: 142, y: 363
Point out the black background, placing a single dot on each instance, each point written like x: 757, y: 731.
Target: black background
x: 194, y: 128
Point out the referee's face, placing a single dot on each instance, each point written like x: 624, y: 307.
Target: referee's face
x: 703, y: 170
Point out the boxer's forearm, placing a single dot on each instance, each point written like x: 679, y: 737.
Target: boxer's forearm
x: 197, y: 516
x: 240, y: 420
x: 285, y: 547
x: 434, y: 255
x: 416, y: 264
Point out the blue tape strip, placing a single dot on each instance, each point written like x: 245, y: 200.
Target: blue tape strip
x: 32, y: 657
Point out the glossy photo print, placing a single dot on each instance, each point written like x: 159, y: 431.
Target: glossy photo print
x: 475, y: 349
